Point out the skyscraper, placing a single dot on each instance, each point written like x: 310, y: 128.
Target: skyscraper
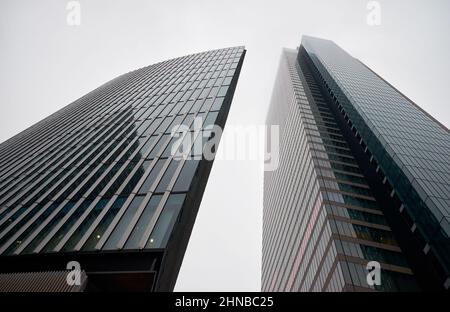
x: 364, y: 175
x: 98, y: 182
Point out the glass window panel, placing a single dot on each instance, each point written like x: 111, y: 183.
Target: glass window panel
x: 168, y: 151
x: 151, y: 177
x: 144, y: 126
x: 188, y: 120
x: 166, y: 221
x: 217, y: 104
x: 120, y: 228
x: 175, y: 124
x: 43, y: 233
x: 136, y: 177
x: 206, y: 105
x: 222, y: 91
x: 168, y: 175
x: 31, y: 228
x: 104, y: 223
x: 186, y: 175
x: 187, y: 107
x: 196, y: 106
x: 163, y: 139
x: 84, y: 226
x: 164, y: 125
x: 227, y: 81
x: 144, y: 220
x: 145, y: 149
x: 67, y: 225
x: 210, y: 119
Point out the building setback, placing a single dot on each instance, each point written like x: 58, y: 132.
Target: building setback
x: 364, y: 175
x: 97, y: 182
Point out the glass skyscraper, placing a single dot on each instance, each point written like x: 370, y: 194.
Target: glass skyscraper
x: 364, y: 175
x: 98, y: 181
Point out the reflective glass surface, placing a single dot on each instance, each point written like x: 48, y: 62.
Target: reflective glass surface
x: 410, y: 147
x: 85, y: 178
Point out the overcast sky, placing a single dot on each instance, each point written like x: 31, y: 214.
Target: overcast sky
x: 45, y: 64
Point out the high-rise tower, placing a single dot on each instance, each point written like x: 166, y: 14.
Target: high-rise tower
x: 363, y: 176
x: 98, y: 183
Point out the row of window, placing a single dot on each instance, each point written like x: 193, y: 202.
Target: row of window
x: 104, y: 170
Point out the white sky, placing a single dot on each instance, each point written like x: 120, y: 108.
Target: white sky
x: 46, y: 64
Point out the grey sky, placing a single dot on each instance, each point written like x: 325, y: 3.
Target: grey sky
x: 45, y: 64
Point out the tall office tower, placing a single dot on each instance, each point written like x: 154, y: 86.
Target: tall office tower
x: 364, y: 175
x: 101, y: 182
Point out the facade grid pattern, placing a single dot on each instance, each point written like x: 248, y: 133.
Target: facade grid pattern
x: 99, y: 174
x: 321, y: 224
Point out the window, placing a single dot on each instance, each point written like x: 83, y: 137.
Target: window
x: 104, y: 223
x: 151, y: 130
x: 227, y: 81
x: 206, y: 105
x: 217, y: 104
x: 168, y: 151
x: 120, y: 228
x: 213, y: 92
x: 164, y: 125
x: 136, y: 177
x: 186, y: 107
x: 186, y: 175
x: 210, y: 119
x: 166, y: 221
x: 43, y: 233
x: 147, y: 146
x: 144, y: 126
x: 151, y: 177
x: 175, y: 124
x: 67, y: 225
x: 84, y: 226
x: 196, y: 107
x: 222, y: 91
x: 158, y: 146
x: 144, y: 220
x: 168, y: 175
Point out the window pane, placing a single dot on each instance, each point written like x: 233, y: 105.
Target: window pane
x: 136, y: 177
x: 43, y: 233
x: 185, y: 178
x: 175, y: 124
x: 158, y: 146
x: 168, y: 151
x: 168, y: 175
x: 84, y: 226
x: 206, y: 105
x: 143, y: 222
x: 217, y: 104
x: 67, y: 225
x: 227, y: 80
x: 210, y: 119
x: 104, y: 223
x: 164, y: 226
x: 145, y: 149
x: 151, y: 177
x: 222, y: 91
x: 195, y: 108
x: 123, y: 223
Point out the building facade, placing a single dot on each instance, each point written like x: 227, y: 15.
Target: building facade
x: 99, y: 183
x: 363, y: 176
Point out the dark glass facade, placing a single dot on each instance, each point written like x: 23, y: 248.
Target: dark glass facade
x: 353, y: 154
x: 97, y: 181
